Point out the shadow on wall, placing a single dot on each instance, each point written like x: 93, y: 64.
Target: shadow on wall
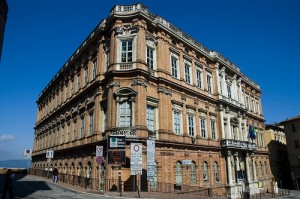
x: 279, y: 164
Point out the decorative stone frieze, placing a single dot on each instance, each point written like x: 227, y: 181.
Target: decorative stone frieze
x: 139, y: 82
x: 164, y: 91
x: 112, y: 84
x: 126, y: 30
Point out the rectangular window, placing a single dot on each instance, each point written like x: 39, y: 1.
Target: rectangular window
x: 72, y: 87
x: 252, y: 105
x: 125, y: 114
x: 203, y: 128
x: 94, y: 69
x: 85, y: 76
x: 247, y: 103
x: 174, y: 67
x: 187, y: 73
x: 199, y: 79
x: 75, y: 130
x: 61, y: 97
x: 91, y: 127
x: 62, y: 135
x: 104, y: 119
x: 78, y: 82
x: 176, y: 122
x: 229, y: 90
x: 150, y: 118
x: 82, y: 128
x: 191, y: 125
x: 296, y: 144
x: 126, y: 52
x: 68, y: 133
x: 107, y: 58
x: 150, y: 58
x: 213, y: 129
x: 67, y: 92
x: 209, y: 88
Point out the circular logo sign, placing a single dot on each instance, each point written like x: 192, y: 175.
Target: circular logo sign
x: 99, y: 160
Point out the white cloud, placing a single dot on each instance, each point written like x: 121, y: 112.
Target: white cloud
x: 7, y: 138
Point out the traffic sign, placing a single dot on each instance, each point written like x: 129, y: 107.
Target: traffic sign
x: 99, y: 160
x: 27, y: 153
x: 99, y: 151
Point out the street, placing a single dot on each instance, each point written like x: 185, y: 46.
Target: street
x: 32, y: 187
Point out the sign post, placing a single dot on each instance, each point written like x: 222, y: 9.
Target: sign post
x: 99, y: 160
x: 49, y: 156
x: 116, y: 154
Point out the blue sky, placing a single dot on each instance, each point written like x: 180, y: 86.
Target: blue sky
x: 261, y: 37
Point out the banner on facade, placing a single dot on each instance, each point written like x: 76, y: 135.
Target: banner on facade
x: 151, y: 152
x: 136, y: 161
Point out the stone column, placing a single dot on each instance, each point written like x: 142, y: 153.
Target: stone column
x: 229, y: 173
x: 228, y: 136
x: 254, y: 171
x: 234, y: 88
x: 222, y: 122
x: 218, y: 78
x: 247, y: 168
x: 245, y: 130
x: 240, y: 134
x: 224, y: 82
x: 237, y: 165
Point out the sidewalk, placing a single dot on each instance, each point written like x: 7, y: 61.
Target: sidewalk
x: 156, y: 195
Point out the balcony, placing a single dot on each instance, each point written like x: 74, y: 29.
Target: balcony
x: 237, y: 144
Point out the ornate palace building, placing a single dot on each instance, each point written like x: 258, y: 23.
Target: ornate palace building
x: 138, y: 75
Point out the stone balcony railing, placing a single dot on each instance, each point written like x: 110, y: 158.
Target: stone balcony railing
x: 238, y: 144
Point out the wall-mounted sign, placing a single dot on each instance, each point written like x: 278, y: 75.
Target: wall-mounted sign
x: 186, y: 162
x: 49, y: 154
x: 116, y: 142
x: 116, y: 157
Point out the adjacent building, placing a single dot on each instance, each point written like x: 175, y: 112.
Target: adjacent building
x: 292, y: 133
x: 3, y: 17
x: 277, y: 146
x: 138, y: 75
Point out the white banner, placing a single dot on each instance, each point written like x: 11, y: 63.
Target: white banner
x: 151, y: 152
x: 136, y: 161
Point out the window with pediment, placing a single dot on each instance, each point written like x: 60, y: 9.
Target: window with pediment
x: 125, y: 98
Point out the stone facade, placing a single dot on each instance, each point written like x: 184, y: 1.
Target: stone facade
x: 137, y: 74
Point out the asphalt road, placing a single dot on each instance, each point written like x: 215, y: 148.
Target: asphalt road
x: 31, y: 188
